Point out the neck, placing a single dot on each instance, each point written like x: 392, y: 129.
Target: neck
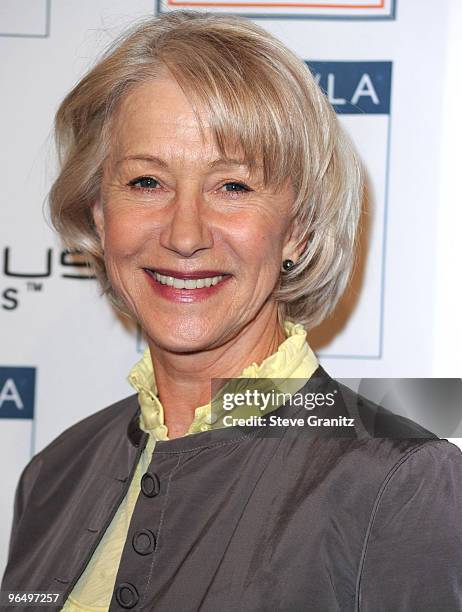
x: 183, y: 379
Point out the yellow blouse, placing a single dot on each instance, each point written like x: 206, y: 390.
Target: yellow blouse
x: 93, y: 591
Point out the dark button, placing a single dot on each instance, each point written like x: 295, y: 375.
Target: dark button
x: 150, y: 484
x: 144, y: 541
x: 126, y: 595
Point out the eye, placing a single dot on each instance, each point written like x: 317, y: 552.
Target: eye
x: 146, y: 183
x: 235, y: 187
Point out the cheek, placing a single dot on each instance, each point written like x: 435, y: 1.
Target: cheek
x: 258, y: 240
x: 125, y: 234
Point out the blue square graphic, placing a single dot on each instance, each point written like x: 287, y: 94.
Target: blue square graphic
x: 17, y: 392
x: 355, y: 87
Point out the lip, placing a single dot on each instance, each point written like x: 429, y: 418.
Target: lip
x: 189, y: 296
x: 188, y: 275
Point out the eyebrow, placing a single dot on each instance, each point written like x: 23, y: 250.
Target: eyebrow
x: 222, y: 161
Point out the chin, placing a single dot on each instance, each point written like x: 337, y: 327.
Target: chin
x: 180, y: 335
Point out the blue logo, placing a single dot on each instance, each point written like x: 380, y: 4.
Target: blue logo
x: 17, y: 392
x: 355, y: 87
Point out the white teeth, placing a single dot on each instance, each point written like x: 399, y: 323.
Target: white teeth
x: 180, y: 283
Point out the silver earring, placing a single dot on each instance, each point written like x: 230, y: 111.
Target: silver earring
x: 287, y: 265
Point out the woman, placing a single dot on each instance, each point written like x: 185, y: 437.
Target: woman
x: 205, y: 175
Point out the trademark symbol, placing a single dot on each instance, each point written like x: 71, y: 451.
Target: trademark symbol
x: 34, y: 286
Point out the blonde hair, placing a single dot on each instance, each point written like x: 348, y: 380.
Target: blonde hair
x: 261, y: 98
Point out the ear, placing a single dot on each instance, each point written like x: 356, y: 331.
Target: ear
x: 291, y: 250
x: 98, y: 218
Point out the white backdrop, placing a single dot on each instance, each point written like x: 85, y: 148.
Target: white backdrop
x: 391, y: 69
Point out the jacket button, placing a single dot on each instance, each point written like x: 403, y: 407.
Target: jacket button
x: 126, y: 595
x: 144, y: 542
x: 150, y: 484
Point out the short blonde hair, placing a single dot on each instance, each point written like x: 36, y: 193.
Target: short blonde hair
x: 261, y: 97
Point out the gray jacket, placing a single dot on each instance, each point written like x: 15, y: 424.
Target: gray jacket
x: 365, y: 518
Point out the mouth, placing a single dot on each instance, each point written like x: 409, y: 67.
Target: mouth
x: 190, y: 280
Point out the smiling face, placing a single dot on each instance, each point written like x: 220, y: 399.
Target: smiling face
x: 169, y: 202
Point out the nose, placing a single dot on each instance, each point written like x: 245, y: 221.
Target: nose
x: 187, y: 230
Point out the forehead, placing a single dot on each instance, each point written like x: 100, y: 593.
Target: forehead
x: 157, y: 114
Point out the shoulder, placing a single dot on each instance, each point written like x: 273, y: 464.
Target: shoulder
x: 423, y: 467
x: 396, y: 488
x: 88, y: 433
x: 365, y: 451
x: 414, y: 537
x: 425, y: 474
x: 110, y: 419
